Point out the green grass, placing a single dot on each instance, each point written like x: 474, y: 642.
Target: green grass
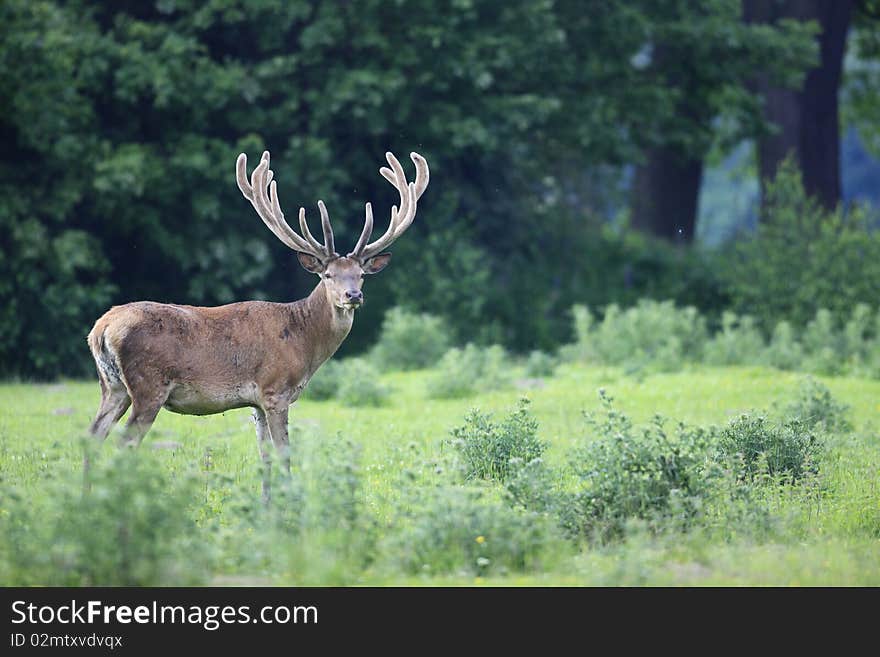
x: 832, y: 537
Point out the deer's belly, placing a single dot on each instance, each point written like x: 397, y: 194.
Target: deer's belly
x: 191, y: 399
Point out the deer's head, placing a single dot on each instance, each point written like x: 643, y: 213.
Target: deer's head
x: 342, y: 276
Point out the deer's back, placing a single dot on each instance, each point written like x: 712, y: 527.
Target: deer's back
x: 190, y: 343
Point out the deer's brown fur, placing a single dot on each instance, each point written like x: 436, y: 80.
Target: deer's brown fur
x: 200, y: 360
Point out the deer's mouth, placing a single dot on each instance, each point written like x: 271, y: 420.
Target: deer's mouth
x: 352, y: 304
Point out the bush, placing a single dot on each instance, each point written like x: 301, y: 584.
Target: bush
x: 495, y: 369
x: 651, y: 334
x: 646, y: 473
x: 803, y: 258
x: 353, y: 381
x: 583, y: 324
x: 815, y: 407
x: 457, y: 530
x: 655, y: 335
x: 359, y: 384
x: 457, y: 373
x: 540, y: 364
x: 338, y: 528
x: 860, y: 341
x: 448, y: 273
x: 739, y: 342
x: 787, y: 452
x: 834, y: 348
x: 784, y: 350
x: 318, y: 528
x: 464, y: 372
x: 488, y: 449
x: 133, y: 528
x: 325, y: 382
x: 533, y: 486
x: 822, y: 343
x: 409, y: 341
x: 55, y: 282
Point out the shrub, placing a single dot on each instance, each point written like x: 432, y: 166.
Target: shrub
x: 133, y: 528
x: 861, y: 342
x: 354, y: 381
x: 651, y: 334
x: 595, y: 266
x: 457, y: 373
x: 832, y: 349
x: 338, y: 527
x: 815, y: 407
x: 540, y: 364
x: 409, y: 341
x: 55, y: 280
x: 449, y: 274
x: 627, y: 473
x: 335, y: 493
x: 533, y: 486
x: 739, y: 342
x: 463, y: 372
x: 457, y: 530
x: 487, y: 449
x: 359, y: 384
x: 657, y: 335
x: 786, y: 452
x: 823, y: 345
x: 802, y: 258
x: 784, y: 350
x: 858, y: 333
x: 495, y: 372
x: 318, y: 528
x: 325, y: 382
x: 583, y: 325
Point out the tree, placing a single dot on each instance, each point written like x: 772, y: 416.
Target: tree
x: 806, y: 119
x: 122, y: 123
x: 860, y: 95
x: 705, y: 55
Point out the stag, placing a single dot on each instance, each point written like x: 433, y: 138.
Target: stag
x: 201, y: 360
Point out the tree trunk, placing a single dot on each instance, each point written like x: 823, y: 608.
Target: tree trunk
x: 665, y: 192
x: 806, y: 119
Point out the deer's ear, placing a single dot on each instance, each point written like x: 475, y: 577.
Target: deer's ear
x: 377, y: 263
x: 310, y: 262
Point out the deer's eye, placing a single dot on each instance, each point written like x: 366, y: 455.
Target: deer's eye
x: 328, y: 276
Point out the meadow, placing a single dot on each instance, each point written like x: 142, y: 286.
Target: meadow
x: 384, y: 494
x: 628, y: 340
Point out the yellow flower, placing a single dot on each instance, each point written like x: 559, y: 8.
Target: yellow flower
x: 478, y: 580
x: 481, y: 539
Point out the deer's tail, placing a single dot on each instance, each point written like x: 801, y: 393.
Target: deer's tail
x: 106, y: 359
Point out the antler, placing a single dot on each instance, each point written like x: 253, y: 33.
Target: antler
x: 270, y: 210
x: 400, y: 219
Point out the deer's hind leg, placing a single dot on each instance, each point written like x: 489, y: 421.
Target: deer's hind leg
x: 148, y: 394
x: 114, y: 402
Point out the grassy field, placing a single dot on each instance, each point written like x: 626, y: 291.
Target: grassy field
x: 376, y: 486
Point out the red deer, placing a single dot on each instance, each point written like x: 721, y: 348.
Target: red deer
x: 201, y: 360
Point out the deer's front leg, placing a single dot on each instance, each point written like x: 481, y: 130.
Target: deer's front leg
x: 276, y: 418
x: 262, y: 426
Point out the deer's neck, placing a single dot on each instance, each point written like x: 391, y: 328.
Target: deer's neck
x: 323, y: 325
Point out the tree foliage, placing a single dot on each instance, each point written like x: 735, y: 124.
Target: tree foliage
x: 122, y: 122
x: 803, y: 258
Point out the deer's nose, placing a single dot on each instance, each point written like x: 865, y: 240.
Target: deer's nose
x: 354, y: 295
